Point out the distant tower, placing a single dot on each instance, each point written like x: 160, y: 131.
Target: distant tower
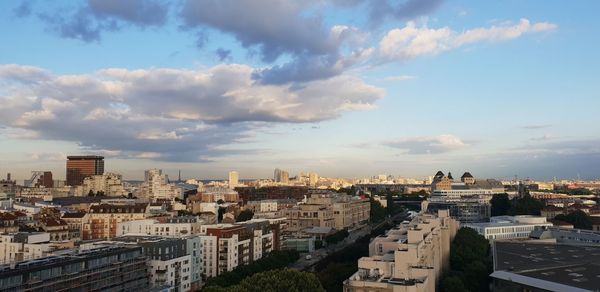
x: 179, y: 177
x: 234, y: 177
x: 277, y: 175
x: 80, y: 167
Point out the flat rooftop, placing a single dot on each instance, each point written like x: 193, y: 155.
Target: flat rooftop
x: 575, y: 266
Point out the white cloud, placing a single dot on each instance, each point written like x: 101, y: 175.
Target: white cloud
x: 148, y: 155
x: 182, y: 114
x: 400, y: 78
x: 412, y: 41
x: 428, y: 145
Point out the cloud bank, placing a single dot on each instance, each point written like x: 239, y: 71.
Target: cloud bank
x: 184, y: 115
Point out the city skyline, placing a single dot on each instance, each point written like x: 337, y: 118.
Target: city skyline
x: 343, y: 88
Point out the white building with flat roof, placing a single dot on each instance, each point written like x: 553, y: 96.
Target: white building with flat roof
x: 508, y: 227
x: 410, y: 257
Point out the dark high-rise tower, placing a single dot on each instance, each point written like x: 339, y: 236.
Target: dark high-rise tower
x: 80, y: 167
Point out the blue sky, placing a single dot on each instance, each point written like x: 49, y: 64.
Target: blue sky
x: 347, y: 88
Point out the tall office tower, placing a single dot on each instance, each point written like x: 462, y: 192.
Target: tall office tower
x: 313, y: 178
x: 45, y: 180
x: 234, y: 177
x: 285, y: 177
x: 277, y: 175
x: 80, y: 167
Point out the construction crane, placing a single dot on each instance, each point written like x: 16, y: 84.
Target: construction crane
x: 35, y: 175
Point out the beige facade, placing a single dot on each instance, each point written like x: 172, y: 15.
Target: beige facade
x: 327, y: 210
x: 307, y: 216
x: 350, y: 212
x: 110, y: 184
x: 409, y: 257
x: 104, y: 219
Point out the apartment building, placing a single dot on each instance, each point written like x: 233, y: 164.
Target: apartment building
x: 75, y: 222
x: 157, y: 186
x: 105, y: 217
x: 227, y: 246
x: 8, y: 222
x: 409, y: 257
x: 21, y: 246
x: 101, y: 269
x: 350, y: 211
x: 109, y: 184
x: 169, y: 227
x: 57, y: 228
x: 327, y: 210
x: 262, y: 206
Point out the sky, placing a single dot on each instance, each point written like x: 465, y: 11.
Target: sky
x: 344, y: 88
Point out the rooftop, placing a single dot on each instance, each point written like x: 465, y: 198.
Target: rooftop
x: 546, y: 265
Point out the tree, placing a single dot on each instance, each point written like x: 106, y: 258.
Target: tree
x: 500, y: 204
x: 526, y: 205
x: 275, y: 281
x: 90, y: 193
x: 378, y: 212
x: 469, y: 262
x: 274, y: 260
x: 452, y: 284
x: 578, y: 218
x: 245, y: 215
x: 337, y: 237
x: 392, y: 208
x: 220, y: 201
x: 220, y: 213
x: 333, y: 276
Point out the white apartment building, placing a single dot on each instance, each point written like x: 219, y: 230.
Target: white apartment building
x: 21, y: 246
x: 227, y: 246
x: 410, y: 257
x: 156, y: 186
x: 209, y: 249
x: 509, y: 227
x: 173, y: 227
x: 110, y: 184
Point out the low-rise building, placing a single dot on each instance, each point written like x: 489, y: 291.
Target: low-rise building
x: 466, y: 209
x: 509, y: 227
x: 409, y: 257
x: 523, y: 266
x: 565, y: 235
